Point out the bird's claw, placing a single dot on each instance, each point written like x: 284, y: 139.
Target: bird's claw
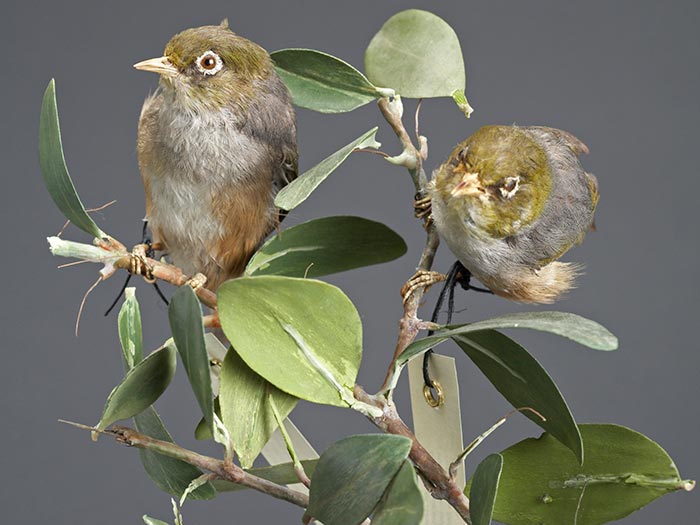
x: 422, y: 208
x: 197, y: 282
x: 139, y: 265
x: 421, y: 279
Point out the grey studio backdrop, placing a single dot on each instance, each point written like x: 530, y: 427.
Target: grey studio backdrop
x: 623, y: 76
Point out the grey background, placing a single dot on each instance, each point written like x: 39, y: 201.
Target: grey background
x: 623, y: 76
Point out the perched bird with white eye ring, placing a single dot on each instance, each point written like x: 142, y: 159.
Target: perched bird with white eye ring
x: 509, y: 201
x: 216, y: 142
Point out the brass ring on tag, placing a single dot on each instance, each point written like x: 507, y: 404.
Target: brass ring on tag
x: 430, y: 396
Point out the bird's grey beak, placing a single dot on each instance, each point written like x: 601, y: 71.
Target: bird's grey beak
x: 469, y: 185
x: 160, y: 65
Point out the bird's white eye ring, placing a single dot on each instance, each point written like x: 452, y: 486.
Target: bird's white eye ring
x: 209, y: 63
x: 510, y: 187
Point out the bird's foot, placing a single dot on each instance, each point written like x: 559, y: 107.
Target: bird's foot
x: 197, y: 282
x: 139, y: 265
x: 423, y: 207
x: 421, y: 279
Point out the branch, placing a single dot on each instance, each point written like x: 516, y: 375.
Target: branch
x: 224, y: 470
x: 113, y: 255
x: 440, y: 484
x: 409, y: 325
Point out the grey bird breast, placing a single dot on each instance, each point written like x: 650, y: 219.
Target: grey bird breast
x: 193, y: 161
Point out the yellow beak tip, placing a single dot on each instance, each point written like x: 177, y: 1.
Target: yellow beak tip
x: 160, y: 65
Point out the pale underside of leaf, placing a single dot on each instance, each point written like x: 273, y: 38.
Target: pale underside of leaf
x: 299, y: 189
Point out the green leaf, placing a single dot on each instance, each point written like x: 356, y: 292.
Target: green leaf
x: 245, y: 408
x: 402, y: 503
x: 352, y: 475
x: 542, y: 484
x: 152, y: 521
x: 185, y: 317
x: 169, y: 474
x: 327, y: 245
x: 484, y: 487
x: 141, y: 386
x: 303, y: 336
x: 577, y: 328
x: 202, y: 431
x: 523, y: 382
x: 54, y: 170
x: 418, y: 54
x: 130, y: 331
x: 282, y: 474
x: 322, y: 82
x: 299, y: 189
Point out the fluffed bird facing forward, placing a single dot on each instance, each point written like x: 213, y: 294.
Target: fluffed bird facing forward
x: 511, y: 200
x: 216, y: 142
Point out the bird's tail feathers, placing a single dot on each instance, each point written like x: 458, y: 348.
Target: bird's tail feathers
x: 542, y: 286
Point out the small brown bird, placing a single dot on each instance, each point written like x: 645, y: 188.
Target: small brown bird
x: 216, y: 142
x: 509, y: 202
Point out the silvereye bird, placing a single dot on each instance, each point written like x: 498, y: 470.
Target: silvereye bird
x: 511, y: 200
x: 216, y: 141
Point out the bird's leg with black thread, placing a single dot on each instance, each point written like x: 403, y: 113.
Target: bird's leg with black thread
x: 146, y: 248
x: 151, y: 248
x: 458, y: 274
x: 421, y: 279
x: 431, y: 389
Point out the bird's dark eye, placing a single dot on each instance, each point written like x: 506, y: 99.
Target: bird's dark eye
x: 509, y: 184
x: 209, y: 63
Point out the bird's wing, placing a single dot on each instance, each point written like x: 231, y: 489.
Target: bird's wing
x: 145, y: 142
x: 289, y: 168
x: 288, y: 172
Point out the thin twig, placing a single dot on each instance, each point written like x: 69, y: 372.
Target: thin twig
x: 454, y: 466
x: 82, y: 304
x: 91, y: 210
x: 375, y: 151
x: 416, y: 118
x: 225, y: 471
x: 298, y: 467
x: 100, y: 208
x: 75, y: 263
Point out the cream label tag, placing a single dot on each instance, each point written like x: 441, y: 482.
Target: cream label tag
x: 439, y: 429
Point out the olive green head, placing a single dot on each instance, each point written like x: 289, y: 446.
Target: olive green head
x: 211, y: 66
x: 497, y: 180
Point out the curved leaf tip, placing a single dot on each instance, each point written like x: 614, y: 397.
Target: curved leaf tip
x: 299, y: 189
x: 54, y: 170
